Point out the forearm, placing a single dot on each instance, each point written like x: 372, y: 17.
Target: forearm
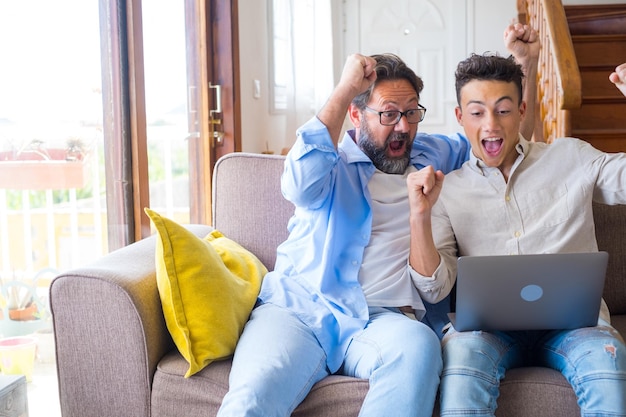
x: 439, y: 281
x: 529, y: 66
x: 433, y: 254
x: 523, y: 44
x: 423, y: 255
x: 333, y: 114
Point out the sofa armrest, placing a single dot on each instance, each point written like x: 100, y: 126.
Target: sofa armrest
x: 110, y: 332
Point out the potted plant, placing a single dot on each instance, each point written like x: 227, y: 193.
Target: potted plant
x: 37, y: 167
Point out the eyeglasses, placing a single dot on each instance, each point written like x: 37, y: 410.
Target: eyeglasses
x: 392, y: 117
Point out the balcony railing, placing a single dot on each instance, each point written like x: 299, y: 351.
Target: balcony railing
x: 46, y: 228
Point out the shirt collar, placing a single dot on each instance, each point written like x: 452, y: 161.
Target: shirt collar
x: 353, y: 153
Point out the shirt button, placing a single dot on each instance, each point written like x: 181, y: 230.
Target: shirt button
x: 518, y: 234
x: 507, y: 198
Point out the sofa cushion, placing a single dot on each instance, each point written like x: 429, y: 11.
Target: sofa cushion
x: 207, y: 288
x: 201, y: 395
x: 619, y: 322
x: 525, y: 392
x: 610, y: 223
x: 536, y: 392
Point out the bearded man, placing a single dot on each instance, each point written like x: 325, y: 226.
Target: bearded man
x: 343, y: 296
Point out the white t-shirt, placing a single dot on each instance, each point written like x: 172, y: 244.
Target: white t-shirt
x: 385, y: 274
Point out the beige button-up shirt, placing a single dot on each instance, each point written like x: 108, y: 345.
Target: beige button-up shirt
x: 545, y: 207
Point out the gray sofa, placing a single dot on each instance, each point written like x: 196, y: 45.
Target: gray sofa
x: 115, y: 356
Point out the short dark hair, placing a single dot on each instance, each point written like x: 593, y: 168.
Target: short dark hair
x: 488, y: 67
x: 389, y: 67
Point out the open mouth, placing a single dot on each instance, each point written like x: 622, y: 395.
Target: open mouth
x: 492, y: 146
x: 396, y: 145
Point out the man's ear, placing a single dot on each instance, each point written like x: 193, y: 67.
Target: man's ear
x: 459, y: 115
x: 522, y: 110
x: 355, y: 115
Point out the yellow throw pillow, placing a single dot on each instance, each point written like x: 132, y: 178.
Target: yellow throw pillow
x: 208, y: 287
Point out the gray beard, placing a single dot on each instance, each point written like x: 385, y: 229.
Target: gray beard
x: 377, y: 154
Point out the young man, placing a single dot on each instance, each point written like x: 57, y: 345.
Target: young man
x: 341, y: 297
x: 525, y: 198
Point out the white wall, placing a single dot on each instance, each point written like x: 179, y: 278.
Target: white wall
x: 486, y: 22
x: 260, y: 130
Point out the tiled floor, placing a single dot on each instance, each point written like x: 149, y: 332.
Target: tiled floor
x: 42, y: 390
x: 43, y: 395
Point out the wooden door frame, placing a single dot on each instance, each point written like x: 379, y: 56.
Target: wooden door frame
x: 124, y: 122
x: 225, y: 28
x: 218, y: 44
x: 216, y: 40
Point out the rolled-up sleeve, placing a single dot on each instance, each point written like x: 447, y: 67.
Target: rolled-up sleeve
x: 309, y: 166
x: 436, y: 287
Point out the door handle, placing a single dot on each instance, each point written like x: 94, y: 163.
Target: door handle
x: 218, y: 104
x: 215, y: 121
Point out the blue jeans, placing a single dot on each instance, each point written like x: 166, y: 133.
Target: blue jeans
x: 593, y: 360
x: 436, y: 316
x: 278, y: 360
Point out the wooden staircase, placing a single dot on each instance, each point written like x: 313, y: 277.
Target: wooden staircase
x: 575, y: 96
x: 599, y: 39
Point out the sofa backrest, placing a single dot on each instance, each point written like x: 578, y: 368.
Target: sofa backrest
x: 610, y: 222
x: 248, y: 206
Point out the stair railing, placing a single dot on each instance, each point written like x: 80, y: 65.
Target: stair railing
x: 558, y: 76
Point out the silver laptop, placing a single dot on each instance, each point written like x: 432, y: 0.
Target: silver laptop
x: 529, y: 292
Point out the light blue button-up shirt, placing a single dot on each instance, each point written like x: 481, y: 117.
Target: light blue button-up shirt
x: 317, y: 267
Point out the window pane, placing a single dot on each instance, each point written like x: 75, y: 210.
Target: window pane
x: 166, y: 107
x: 52, y: 207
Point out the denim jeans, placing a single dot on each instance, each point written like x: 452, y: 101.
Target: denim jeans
x: 436, y: 316
x: 593, y: 360
x: 278, y: 360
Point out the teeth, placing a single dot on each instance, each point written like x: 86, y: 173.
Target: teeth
x: 491, y: 139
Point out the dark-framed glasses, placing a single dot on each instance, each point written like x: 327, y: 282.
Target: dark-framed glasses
x: 392, y: 117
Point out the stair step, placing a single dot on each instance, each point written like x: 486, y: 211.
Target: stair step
x: 596, y: 84
x: 599, y: 37
x: 600, y: 115
x: 607, y: 140
x: 599, y: 50
x: 595, y: 99
x: 596, y: 19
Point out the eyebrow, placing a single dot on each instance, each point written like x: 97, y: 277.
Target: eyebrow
x: 498, y: 101
x: 397, y: 103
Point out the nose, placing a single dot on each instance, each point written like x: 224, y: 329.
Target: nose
x: 402, y: 125
x: 491, y: 122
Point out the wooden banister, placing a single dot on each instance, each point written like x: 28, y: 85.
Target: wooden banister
x: 558, y: 76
